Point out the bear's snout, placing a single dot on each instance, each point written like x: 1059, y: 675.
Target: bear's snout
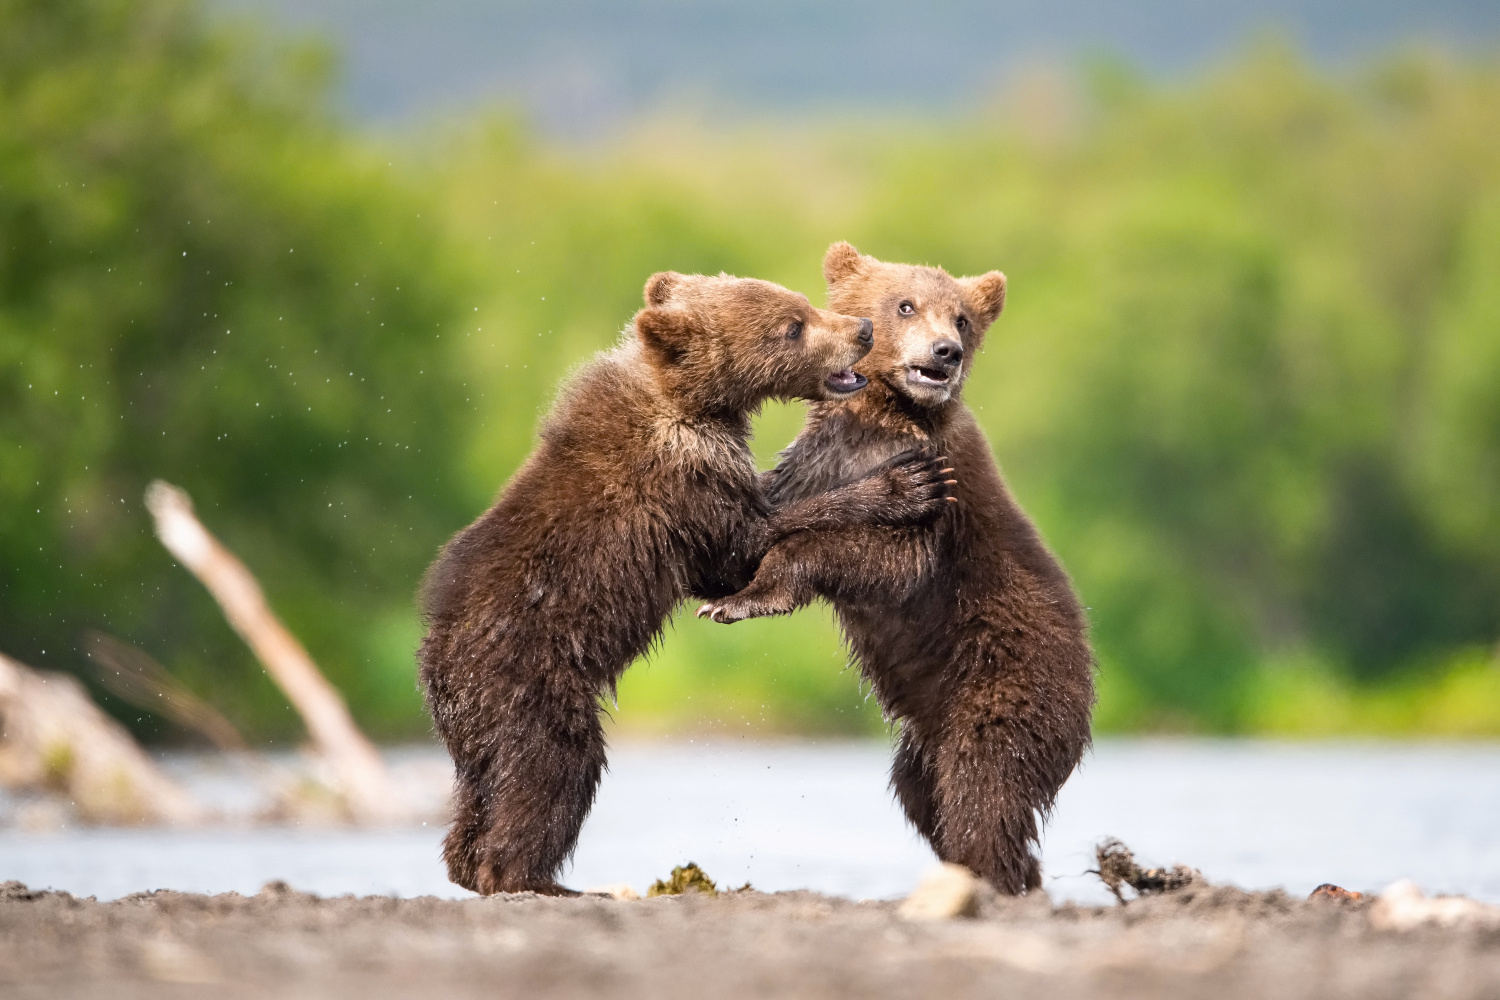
x: 867, y: 333
x: 932, y: 369
x: 948, y: 353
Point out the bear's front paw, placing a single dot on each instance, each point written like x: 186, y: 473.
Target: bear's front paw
x: 917, y: 486
x: 722, y: 612
x: 738, y: 608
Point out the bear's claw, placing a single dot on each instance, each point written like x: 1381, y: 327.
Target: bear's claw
x: 918, y: 483
x: 735, y: 609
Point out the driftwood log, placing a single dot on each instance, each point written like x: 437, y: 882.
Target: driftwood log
x: 54, y: 738
x: 357, y: 769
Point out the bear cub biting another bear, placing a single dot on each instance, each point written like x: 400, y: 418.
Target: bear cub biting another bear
x: 642, y: 491
x: 966, y: 628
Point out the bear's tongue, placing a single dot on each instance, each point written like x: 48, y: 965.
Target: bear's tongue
x: 847, y: 380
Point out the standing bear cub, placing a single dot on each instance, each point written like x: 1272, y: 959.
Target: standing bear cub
x: 642, y: 490
x: 966, y: 628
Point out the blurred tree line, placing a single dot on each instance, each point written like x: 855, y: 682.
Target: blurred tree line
x: 203, y: 278
x: 1246, y: 381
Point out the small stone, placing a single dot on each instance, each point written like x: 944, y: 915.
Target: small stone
x: 945, y: 892
x: 1337, y: 892
x: 615, y: 890
x: 1403, y: 906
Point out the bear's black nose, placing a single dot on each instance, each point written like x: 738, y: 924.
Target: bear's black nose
x: 948, y: 352
x: 866, y: 332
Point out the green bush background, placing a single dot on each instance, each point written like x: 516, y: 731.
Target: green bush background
x: 1247, y: 382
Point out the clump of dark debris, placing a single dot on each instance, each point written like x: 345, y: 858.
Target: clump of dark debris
x: 1117, y: 867
x: 684, y: 878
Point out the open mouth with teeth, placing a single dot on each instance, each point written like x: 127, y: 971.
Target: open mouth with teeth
x: 847, y: 381
x: 918, y: 375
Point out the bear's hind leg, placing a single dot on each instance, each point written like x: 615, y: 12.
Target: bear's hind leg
x: 1010, y: 736
x: 984, y: 814
x: 549, y: 758
x: 460, y: 843
x: 912, y: 781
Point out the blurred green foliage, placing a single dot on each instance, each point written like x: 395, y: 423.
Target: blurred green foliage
x: 1247, y: 382
x: 203, y: 279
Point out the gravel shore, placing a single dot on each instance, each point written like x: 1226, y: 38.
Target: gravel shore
x: 1203, y: 941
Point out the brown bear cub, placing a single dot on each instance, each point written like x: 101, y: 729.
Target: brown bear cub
x: 641, y: 491
x: 966, y: 628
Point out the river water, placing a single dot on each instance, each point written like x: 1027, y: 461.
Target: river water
x: 819, y: 816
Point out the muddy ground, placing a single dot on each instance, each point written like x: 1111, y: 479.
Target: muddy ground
x: 1198, y: 942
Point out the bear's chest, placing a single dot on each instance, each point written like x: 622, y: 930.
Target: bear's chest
x: 836, y: 455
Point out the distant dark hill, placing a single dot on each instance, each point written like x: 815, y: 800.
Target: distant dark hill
x: 578, y: 66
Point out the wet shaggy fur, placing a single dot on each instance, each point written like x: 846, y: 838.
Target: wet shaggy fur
x: 967, y: 628
x: 642, y: 491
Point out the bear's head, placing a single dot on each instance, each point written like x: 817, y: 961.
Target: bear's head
x: 720, y: 343
x: 928, y: 324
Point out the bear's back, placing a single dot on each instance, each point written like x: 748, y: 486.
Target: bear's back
x: 611, y: 517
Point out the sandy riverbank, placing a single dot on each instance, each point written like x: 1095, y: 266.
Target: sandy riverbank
x: 1202, y: 941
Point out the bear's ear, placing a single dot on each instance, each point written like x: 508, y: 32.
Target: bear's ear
x: 841, y: 261
x: 986, y: 294
x: 666, y: 333
x: 660, y: 286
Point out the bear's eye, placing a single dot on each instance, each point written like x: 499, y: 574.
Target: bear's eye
x: 907, y: 309
x: 795, y: 330
x: 962, y: 323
